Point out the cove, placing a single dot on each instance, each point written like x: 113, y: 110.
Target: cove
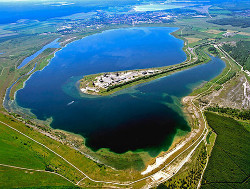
x: 141, y: 118
x: 53, y: 44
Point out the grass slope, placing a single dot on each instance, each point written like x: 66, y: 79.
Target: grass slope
x: 15, y: 178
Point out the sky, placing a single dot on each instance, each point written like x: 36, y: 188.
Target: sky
x: 9, y: 1
x: 53, y: 0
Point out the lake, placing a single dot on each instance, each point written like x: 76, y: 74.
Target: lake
x: 141, y: 118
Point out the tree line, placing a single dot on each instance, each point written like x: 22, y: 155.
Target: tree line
x: 236, y: 22
x: 240, y: 114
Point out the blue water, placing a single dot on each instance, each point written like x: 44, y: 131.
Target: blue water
x: 43, y: 10
x: 145, y: 117
x: 7, y: 94
x: 53, y: 44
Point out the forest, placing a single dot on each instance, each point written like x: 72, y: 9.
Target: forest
x: 240, y: 52
x: 236, y: 22
x: 228, y: 165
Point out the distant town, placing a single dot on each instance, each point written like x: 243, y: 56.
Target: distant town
x: 100, y: 19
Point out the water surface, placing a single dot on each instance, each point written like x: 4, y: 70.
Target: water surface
x: 144, y: 117
x: 53, y: 44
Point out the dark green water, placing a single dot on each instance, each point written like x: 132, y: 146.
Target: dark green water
x: 145, y: 117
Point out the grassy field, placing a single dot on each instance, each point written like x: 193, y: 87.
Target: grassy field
x: 229, y: 164
x: 14, y: 178
x: 18, y: 150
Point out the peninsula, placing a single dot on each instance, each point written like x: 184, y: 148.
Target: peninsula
x: 108, y: 83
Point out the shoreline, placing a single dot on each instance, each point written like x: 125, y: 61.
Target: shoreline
x: 30, y: 73
x: 186, y: 50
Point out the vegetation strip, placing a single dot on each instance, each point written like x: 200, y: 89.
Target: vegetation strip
x: 239, y: 114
